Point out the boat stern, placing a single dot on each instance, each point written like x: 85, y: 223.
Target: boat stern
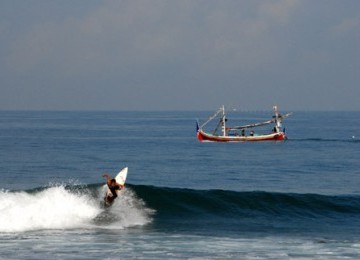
x: 198, y: 132
x: 280, y: 136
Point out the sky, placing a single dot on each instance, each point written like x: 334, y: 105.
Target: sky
x: 147, y: 55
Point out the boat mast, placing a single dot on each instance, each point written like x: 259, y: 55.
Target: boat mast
x: 223, y: 121
x: 277, y: 118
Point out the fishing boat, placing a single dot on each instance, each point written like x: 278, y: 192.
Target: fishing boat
x: 225, y: 133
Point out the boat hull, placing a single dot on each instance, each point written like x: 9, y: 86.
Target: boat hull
x: 203, y: 136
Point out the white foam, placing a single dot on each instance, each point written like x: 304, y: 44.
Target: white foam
x: 128, y: 210
x: 52, y: 208
x: 59, y: 208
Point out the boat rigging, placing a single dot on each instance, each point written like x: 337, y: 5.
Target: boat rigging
x: 224, y: 133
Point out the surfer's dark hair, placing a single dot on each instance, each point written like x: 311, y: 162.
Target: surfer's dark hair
x: 113, y: 180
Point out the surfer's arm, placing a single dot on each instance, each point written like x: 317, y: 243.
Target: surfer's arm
x: 108, y: 178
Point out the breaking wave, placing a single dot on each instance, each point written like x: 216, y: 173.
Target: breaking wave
x: 69, y: 207
x: 82, y: 207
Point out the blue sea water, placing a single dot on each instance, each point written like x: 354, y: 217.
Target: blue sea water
x: 183, y: 199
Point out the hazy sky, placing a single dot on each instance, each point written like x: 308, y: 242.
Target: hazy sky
x: 179, y: 55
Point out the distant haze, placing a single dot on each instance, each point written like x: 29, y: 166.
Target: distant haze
x: 179, y: 54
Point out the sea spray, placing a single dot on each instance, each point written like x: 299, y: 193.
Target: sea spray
x: 128, y: 210
x: 70, y: 207
x: 51, y: 208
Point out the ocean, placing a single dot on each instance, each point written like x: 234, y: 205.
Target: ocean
x: 297, y: 199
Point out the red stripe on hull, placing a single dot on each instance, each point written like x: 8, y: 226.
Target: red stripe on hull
x: 202, y: 136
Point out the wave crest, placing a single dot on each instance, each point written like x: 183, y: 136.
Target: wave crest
x: 68, y: 207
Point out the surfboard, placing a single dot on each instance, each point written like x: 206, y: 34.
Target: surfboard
x: 120, y: 178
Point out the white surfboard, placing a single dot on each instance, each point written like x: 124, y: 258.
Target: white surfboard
x: 120, y: 178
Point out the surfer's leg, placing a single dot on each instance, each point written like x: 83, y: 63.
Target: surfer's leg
x: 110, y: 199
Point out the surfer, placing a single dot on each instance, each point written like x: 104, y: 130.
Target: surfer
x: 113, y: 187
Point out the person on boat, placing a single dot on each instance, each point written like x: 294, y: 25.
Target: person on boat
x: 252, y: 133
x: 113, y: 187
x: 243, y: 132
